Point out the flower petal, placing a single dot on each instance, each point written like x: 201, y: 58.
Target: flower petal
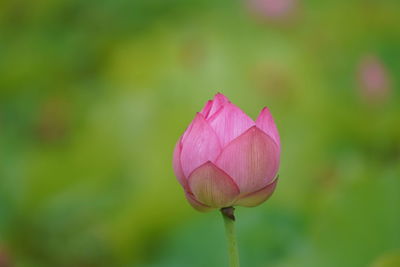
x: 266, y: 123
x: 206, y: 109
x: 177, y: 164
x: 258, y: 197
x: 252, y: 160
x: 187, y: 131
x: 229, y: 123
x: 212, y: 186
x: 196, y: 204
x: 200, y: 144
x: 217, y: 103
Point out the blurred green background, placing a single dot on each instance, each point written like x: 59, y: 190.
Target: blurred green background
x: 94, y: 95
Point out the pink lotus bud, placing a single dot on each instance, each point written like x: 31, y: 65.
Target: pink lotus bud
x: 224, y: 158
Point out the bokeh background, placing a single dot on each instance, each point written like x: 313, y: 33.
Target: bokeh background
x: 94, y: 95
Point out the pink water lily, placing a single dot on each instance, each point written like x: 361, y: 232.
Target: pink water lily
x: 224, y: 158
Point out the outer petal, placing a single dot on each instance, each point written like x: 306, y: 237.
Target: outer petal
x: 177, y: 164
x: 187, y: 131
x: 266, y: 123
x: 196, y: 204
x: 200, y: 144
x: 229, y: 123
x: 258, y: 197
x: 212, y: 186
x: 252, y: 160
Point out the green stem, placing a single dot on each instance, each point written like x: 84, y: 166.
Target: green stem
x: 229, y: 220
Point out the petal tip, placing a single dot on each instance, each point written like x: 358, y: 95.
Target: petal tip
x: 266, y: 123
x: 207, y: 108
x: 229, y: 122
x: 221, y: 96
x: 252, y: 160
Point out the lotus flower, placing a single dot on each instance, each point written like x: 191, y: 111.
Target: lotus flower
x: 225, y: 159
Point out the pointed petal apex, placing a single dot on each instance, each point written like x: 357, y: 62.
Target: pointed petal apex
x: 265, y: 122
x: 212, y: 186
x: 196, y: 204
x: 217, y: 103
x: 258, y: 197
x: 206, y: 110
x: 229, y: 123
x: 200, y: 145
x: 221, y: 98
